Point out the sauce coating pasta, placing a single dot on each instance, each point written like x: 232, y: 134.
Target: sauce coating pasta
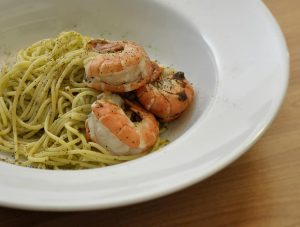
x: 44, y: 103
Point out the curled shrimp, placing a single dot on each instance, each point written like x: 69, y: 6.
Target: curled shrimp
x: 118, y: 66
x: 167, y: 97
x: 122, y: 127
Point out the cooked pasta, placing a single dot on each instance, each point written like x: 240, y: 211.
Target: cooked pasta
x: 44, y: 104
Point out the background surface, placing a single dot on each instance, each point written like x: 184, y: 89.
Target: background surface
x: 262, y: 188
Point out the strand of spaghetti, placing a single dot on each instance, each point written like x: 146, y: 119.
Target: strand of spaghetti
x: 61, y: 78
x: 159, y: 144
x: 6, y: 143
x: 30, y: 134
x: 37, y: 51
x: 96, y: 156
x: 88, y: 157
x: 57, y: 149
x: 98, y: 147
x: 28, y: 126
x: 22, y: 141
x: 83, y: 160
x: 5, y: 109
x: 4, y: 70
x: 56, y: 127
x: 39, y: 94
x: 39, y: 71
x: 35, y: 105
x: 36, y: 145
x: 35, y: 159
x: 53, y: 101
x: 4, y: 79
x: 105, y: 158
x: 5, y: 131
x: 77, y: 69
x: 82, y: 94
x: 83, y: 89
x: 66, y: 95
x: 2, y: 113
x: 52, y: 136
x: 73, y: 162
x: 40, y: 112
x: 75, y: 83
x: 29, y: 88
x: 15, y: 101
x: 26, y: 54
x: 91, y: 158
x: 61, y: 105
x: 52, y: 152
x: 11, y: 93
x: 78, y: 117
x: 24, y: 100
x: 54, y: 164
x: 63, y: 44
x: 6, y: 149
x: 79, y: 135
x: 55, y: 90
x: 70, y: 137
x: 65, y: 73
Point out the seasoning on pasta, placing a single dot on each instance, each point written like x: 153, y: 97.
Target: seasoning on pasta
x: 47, y: 98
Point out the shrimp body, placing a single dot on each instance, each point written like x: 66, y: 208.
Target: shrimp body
x: 122, y: 127
x: 118, y: 66
x: 168, y: 96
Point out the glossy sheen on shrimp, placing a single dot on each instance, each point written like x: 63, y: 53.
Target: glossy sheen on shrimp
x: 168, y: 96
x: 122, y: 127
x: 118, y: 66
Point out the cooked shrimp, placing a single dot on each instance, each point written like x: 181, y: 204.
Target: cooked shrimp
x: 168, y: 96
x: 118, y: 66
x: 122, y: 127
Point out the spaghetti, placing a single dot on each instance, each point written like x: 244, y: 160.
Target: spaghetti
x: 44, y: 104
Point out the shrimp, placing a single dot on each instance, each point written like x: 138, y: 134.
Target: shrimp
x: 118, y: 66
x: 167, y: 97
x: 122, y: 127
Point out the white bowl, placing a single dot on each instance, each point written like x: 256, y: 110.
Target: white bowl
x: 232, y: 51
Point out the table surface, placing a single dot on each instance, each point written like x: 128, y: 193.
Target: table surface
x: 262, y: 188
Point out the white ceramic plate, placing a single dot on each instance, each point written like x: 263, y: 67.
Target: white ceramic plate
x: 233, y: 52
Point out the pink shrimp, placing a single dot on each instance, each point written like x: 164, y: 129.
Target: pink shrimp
x: 167, y: 97
x: 118, y: 66
x: 122, y: 127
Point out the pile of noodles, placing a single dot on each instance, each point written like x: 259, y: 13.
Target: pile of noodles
x: 44, y: 104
